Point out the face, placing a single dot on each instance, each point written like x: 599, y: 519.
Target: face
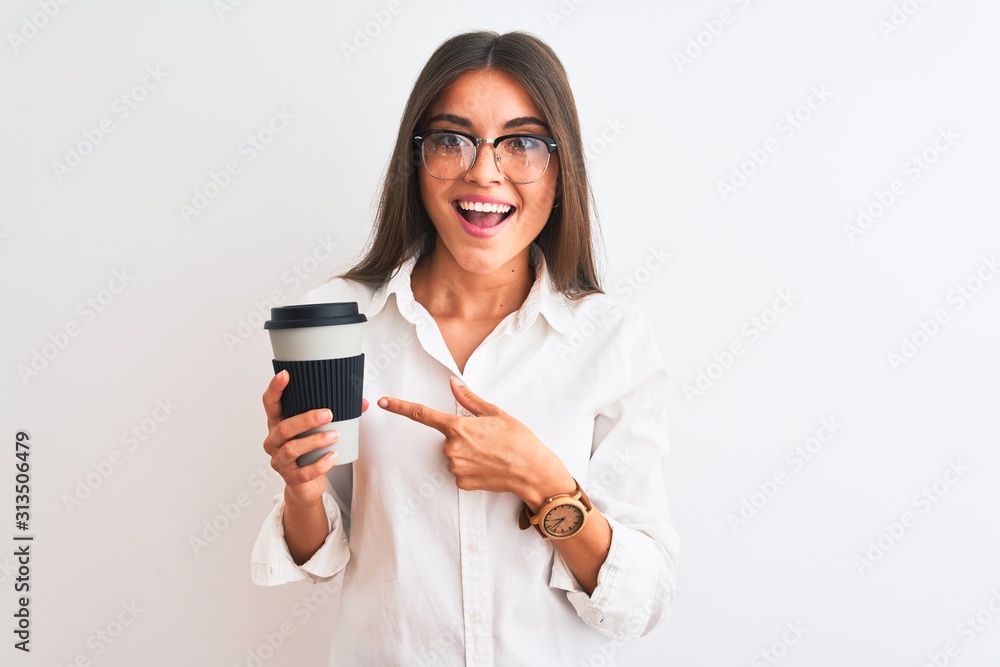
x: 487, y: 103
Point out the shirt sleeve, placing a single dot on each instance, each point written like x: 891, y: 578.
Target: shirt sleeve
x: 271, y: 564
x: 636, y: 583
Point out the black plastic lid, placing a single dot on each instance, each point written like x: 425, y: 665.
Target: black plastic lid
x: 314, y: 315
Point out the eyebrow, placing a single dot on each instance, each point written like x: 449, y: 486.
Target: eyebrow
x: 466, y: 123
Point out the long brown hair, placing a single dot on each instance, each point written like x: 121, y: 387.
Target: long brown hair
x: 566, y: 240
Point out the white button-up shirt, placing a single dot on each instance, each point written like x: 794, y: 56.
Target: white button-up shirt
x: 435, y: 575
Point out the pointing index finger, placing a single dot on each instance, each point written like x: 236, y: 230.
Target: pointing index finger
x: 418, y: 413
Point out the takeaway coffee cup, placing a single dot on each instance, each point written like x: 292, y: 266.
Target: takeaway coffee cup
x: 320, y: 347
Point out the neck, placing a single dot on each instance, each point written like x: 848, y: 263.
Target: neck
x: 445, y: 289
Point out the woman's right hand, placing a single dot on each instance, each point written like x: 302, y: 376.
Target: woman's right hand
x: 303, y: 486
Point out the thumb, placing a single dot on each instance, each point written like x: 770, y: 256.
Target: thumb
x: 470, y: 401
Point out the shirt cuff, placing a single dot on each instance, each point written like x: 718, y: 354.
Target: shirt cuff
x: 635, y: 586
x: 271, y: 564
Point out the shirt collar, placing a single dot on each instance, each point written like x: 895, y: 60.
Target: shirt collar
x: 543, y: 298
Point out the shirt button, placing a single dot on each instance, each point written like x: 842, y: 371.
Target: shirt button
x: 474, y: 547
x: 476, y: 617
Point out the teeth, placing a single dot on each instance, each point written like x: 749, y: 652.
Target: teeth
x: 480, y: 206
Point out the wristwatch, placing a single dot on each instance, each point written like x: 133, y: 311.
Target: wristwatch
x: 561, y: 516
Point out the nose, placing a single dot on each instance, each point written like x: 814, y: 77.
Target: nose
x: 485, y: 170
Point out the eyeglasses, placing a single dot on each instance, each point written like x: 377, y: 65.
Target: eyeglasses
x: 449, y: 155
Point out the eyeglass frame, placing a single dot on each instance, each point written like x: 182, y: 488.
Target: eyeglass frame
x: 550, y: 144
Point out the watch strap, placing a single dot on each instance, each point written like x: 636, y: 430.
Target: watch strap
x: 524, y: 520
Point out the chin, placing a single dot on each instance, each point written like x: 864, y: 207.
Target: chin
x: 480, y: 261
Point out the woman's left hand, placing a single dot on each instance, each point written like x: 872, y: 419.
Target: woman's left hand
x: 490, y: 451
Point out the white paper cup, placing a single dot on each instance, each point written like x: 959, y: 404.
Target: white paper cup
x: 320, y: 347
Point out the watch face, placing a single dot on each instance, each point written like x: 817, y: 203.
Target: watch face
x: 563, y: 520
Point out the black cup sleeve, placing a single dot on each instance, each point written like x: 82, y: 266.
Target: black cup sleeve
x: 324, y: 383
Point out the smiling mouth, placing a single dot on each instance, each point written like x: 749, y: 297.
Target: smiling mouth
x: 484, y: 214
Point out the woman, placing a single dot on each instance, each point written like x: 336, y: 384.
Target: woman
x: 508, y: 505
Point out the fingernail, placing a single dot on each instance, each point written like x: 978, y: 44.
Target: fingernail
x: 327, y: 415
x: 332, y: 435
x: 383, y: 403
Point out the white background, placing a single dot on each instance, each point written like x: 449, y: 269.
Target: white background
x: 662, y: 135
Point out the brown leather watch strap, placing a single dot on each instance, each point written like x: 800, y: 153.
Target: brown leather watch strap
x: 524, y: 519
